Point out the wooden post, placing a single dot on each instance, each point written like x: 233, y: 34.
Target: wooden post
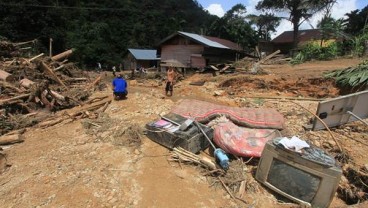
x: 50, y: 47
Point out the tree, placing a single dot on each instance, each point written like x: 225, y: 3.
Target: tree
x: 299, y: 11
x: 265, y: 24
x: 232, y: 26
x: 356, y: 21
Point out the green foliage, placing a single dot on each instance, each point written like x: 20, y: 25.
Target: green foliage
x: 356, y: 20
x: 232, y: 26
x: 313, y: 51
x: 265, y: 24
x: 101, y: 31
x: 352, y: 76
x: 358, y: 43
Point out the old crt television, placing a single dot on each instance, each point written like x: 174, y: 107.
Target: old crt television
x: 310, y: 179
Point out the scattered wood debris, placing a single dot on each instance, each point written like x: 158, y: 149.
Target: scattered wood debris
x: 29, y: 84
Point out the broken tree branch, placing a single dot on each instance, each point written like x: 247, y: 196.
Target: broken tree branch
x: 2, y: 102
x: 47, y: 69
x: 36, y: 57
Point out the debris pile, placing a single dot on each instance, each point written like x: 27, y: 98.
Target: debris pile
x: 29, y: 84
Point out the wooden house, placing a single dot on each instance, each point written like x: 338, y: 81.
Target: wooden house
x: 189, y: 50
x: 137, y: 58
x: 284, y: 41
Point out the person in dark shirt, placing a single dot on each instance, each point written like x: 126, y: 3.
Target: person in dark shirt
x: 120, y: 88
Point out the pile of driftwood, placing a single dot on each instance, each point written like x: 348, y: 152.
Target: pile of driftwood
x: 253, y: 65
x: 29, y: 84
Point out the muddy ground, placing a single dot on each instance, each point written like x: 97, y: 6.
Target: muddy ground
x: 114, y: 164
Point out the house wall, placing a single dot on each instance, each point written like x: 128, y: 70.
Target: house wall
x: 181, y: 53
x: 194, y: 55
x: 220, y: 56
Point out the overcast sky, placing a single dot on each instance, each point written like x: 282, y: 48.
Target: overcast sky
x: 219, y: 7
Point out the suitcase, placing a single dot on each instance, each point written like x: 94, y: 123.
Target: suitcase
x: 190, y: 138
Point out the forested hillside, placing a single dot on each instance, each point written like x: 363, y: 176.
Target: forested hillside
x: 100, y: 30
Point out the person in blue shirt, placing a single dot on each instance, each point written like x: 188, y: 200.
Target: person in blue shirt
x: 119, y: 86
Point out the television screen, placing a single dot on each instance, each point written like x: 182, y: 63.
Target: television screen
x: 293, y: 181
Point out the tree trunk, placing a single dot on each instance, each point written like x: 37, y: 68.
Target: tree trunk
x: 295, y: 34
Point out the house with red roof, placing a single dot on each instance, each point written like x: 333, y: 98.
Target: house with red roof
x: 284, y: 42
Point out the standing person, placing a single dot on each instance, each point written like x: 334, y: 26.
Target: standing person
x: 114, y: 71
x: 171, y: 75
x: 119, y: 86
x: 99, y: 67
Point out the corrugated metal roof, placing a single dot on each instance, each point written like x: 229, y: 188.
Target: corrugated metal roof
x: 226, y: 43
x: 303, y: 35
x: 144, y: 54
x: 204, y: 40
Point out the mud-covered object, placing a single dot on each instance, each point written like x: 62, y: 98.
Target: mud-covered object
x: 241, y: 141
x: 248, y: 117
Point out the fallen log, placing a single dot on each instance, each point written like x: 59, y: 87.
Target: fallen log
x: 6, y: 76
x: 73, y: 113
x: 2, y: 102
x: 62, y: 55
x: 269, y: 56
x: 27, y: 84
x: 77, y: 79
x: 51, y: 72
x: 11, y: 139
x: 90, y: 107
x: 98, y: 79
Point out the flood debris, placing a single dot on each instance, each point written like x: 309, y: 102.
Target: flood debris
x: 30, y: 84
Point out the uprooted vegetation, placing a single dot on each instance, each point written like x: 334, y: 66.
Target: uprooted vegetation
x: 354, y: 78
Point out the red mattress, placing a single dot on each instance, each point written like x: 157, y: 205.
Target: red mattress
x: 248, y: 117
x: 240, y: 141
